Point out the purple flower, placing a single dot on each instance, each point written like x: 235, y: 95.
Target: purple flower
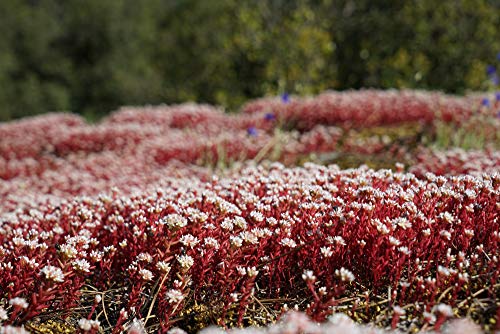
x: 285, y: 97
x: 252, y: 131
x: 497, y: 96
x: 485, y: 102
x: 269, y: 116
x: 490, y: 69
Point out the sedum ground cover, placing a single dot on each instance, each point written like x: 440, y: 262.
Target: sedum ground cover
x: 178, y: 218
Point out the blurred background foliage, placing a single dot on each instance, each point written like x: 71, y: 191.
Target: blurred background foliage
x: 92, y: 56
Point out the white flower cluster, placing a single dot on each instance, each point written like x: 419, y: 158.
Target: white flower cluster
x: 174, y: 221
x: 189, y: 240
x: 308, y: 275
x: 146, y: 274
x: 19, y: 302
x: 211, y: 242
x: 288, y: 242
x: 174, y: 296
x: 163, y: 266
x: 345, y: 275
x: 185, y: 261
x: 52, y: 273
x: 87, y: 325
x: 81, y: 265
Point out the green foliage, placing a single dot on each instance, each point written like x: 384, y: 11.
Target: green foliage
x: 479, y: 132
x: 91, y: 56
x: 290, y: 50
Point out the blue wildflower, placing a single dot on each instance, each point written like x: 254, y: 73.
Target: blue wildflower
x: 485, y: 102
x: 252, y: 131
x: 490, y: 69
x: 497, y: 96
x: 285, y: 97
x: 269, y: 116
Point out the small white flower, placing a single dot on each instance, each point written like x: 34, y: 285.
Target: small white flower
x: 185, y: 261
x: 81, y: 265
x: 209, y: 226
x: 25, y: 261
x: 257, y: 216
x: 96, y: 255
x: 137, y: 327
x: 19, y: 302
x: 174, y: 296
x: 174, y: 221
x: 109, y: 249
x: 405, y: 284
x: 447, y: 217
x: 146, y: 274
x: 211, y: 242
x: 271, y: 221
x: 326, y: 251
x: 404, y: 250
x: 345, y: 275
x: 3, y: 314
x: 57, y: 230
x: 252, y: 272
x: 399, y: 310
x: 189, y: 240
x: 382, y: 228
x: 464, y: 277
x: 52, y: 273
x: 86, y: 325
x: 308, y: 275
x: 241, y: 270
x: 236, y: 241
x: 445, y: 234
x: 68, y: 251
x: 227, y: 224
x: 249, y: 237
x: 393, y: 241
x: 443, y: 271
x: 288, y: 242
x: 469, y: 232
x: 145, y: 257
x: 339, y: 240
x: 471, y: 194
x: 445, y: 310
x: 240, y: 222
x: 163, y: 266
x: 123, y: 313
x: 402, y: 222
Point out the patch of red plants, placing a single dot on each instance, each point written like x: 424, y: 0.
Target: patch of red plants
x: 128, y: 219
x: 313, y: 236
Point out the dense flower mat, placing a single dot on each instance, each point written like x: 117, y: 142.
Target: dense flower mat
x: 236, y: 250
x: 145, y: 221
x: 368, y: 108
